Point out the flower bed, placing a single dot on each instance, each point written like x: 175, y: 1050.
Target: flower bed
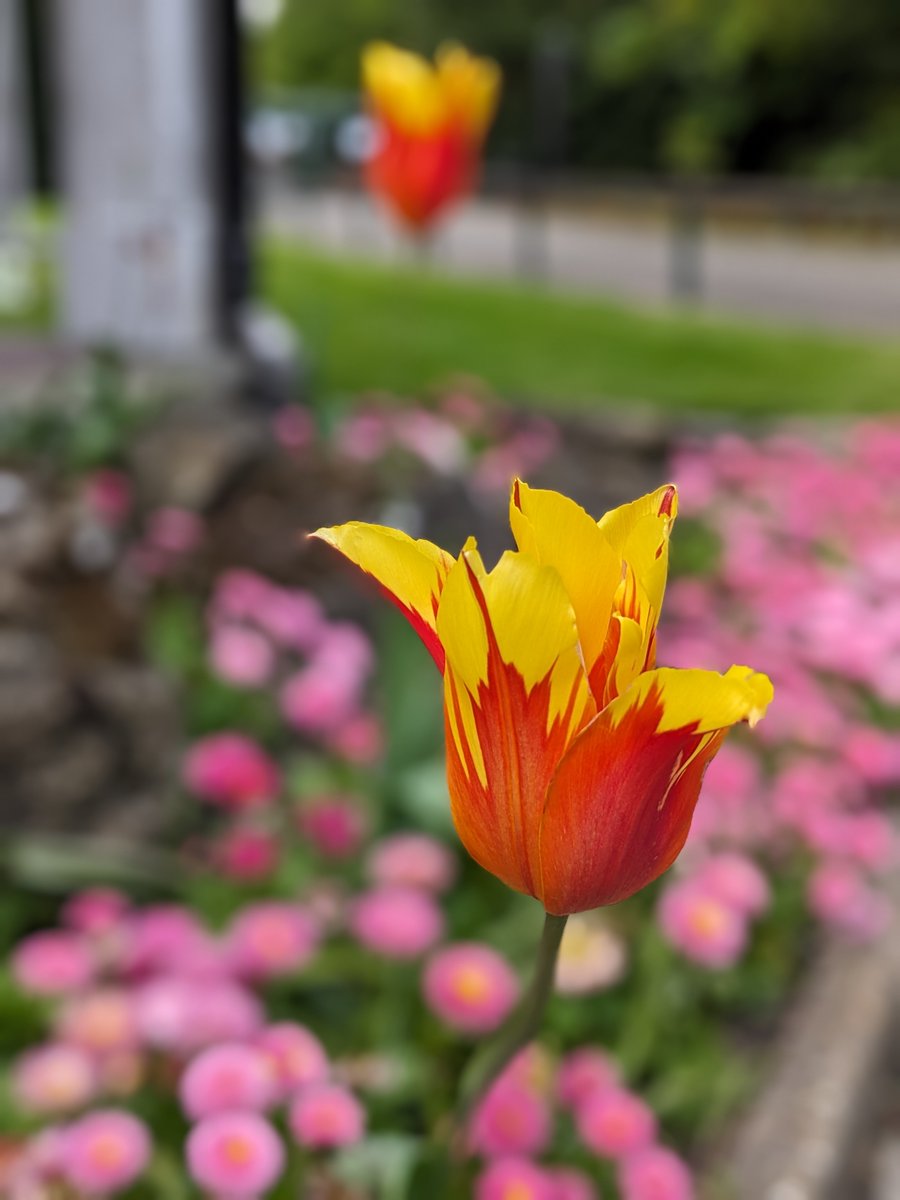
x: 290, y: 1007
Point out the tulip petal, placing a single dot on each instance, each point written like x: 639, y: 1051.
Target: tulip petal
x: 410, y: 572
x: 557, y: 532
x: 513, y: 702
x: 621, y: 802
x: 404, y: 88
x: 639, y: 533
x: 470, y: 85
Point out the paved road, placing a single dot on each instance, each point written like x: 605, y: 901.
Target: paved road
x: 774, y: 276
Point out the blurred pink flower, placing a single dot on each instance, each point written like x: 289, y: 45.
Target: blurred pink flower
x: 583, y: 1073
x: 432, y: 439
x: 360, y: 739
x: 872, y: 753
x: 345, y: 651
x: 108, y: 496
x: 396, y: 922
x: 175, y: 531
x: 324, y: 1116
x: 105, y: 1152
x: 101, y: 1021
x: 293, y: 427
x: 412, y: 860
x: 52, y: 963
x: 224, y: 1078
x: 237, y: 1155
x: 514, y: 1179
x: 510, y: 1120
x: 335, y: 825
x: 296, y: 1056
x: 737, y: 881
x: 570, y: 1184
x: 363, y: 435
x: 245, y: 853
x: 470, y: 986
x: 615, y: 1123
x: 166, y: 1010
x: 95, y: 911
x: 160, y: 937
x: 272, y: 938
x: 317, y: 701
x: 291, y: 617
x: 53, y: 1078
x: 231, y: 770
x: 239, y: 595
x: 655, y: 1174
x: 839, y: 895
x: 701, y: 925
x: 241, y: 656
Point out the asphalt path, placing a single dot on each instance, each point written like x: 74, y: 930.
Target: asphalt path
x: 776, y: 275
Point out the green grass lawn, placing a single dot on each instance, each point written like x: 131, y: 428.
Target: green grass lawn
x: 407, y: 330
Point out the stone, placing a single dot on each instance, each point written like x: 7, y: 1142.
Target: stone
x: 35, y: 698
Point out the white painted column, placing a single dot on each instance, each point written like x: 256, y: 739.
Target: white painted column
x: 136, y: 133
x: 13, y: 169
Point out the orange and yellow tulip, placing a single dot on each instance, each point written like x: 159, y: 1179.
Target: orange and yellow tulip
x: 432, y: 123
x: 573, y: 762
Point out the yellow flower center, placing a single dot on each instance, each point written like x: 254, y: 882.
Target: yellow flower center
x: 471, y: 985
x: 237, y: 1150
x: 106, y: 1151
x: 708, y: 919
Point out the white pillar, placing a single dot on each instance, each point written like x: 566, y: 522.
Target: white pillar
x: 13, y: 169
x: 136, y: 130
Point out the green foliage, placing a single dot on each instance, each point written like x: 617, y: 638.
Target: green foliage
x: 685, y: 85
x: 85, y: 419
x: 373, y: 327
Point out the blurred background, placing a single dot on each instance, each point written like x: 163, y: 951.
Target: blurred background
x: 676, y: 253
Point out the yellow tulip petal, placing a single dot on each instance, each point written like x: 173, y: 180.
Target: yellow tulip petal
x: 460, y: 620
x: 411, y: 572
x: 404, y: 88
x: 703, y: 701
x: 557, y: 532
x: 470, y: 87
x: 639, y: 533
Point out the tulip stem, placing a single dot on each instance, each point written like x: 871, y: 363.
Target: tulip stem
x: 518, y: 1031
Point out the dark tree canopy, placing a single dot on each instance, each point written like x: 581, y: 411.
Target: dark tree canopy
x: 810, y: 88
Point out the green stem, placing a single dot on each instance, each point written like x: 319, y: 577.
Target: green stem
x: 519, y: 1030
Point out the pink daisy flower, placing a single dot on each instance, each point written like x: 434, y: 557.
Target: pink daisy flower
x: 54, y: 1078
x: 324, y: 1116
x: 583, y: 1073
x: 52, y: 963
x: 226, y: 1077
x: 701, y: 925
x: 105, y: 1152
x: 510, y: 1120
x: 737, y: 881
x: 235, y: 1154
x: 396, y: 922
x: 272, y: 938
x: 615, y: 1123
x: 296, y: 1056
x: 101, y: 1021
x: 412, y: 860
x: 514, y: 1179
x: 231, y: 770
x: 470, y: 986
x: 655, y: 1173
